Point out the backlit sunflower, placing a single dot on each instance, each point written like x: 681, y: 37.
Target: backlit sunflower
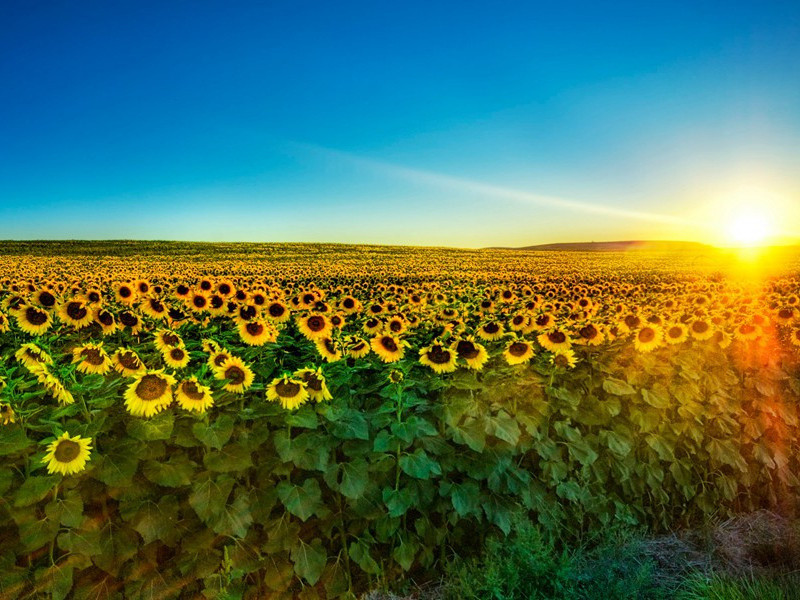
x: 747, y: 332
x: 554, y: 340
x: 329, y: 349
x: 518, y: 352
x: 314, y: 326
x: 177, y: 358
x: 590, y: 335
x: 33, y: 320
x: 648, y: 338
x: 75, y: 313
x: 238, y: 375
x: 149, y: 393
x: 722, y: 338
x: 192, y: 395
x: 257, y: 332
x: 91, y: 358
x: 31, y: 355
x: 794, y: 337
x: 7, y: 415
x: 700, y: 329
x: 127, y: 363
x: 67, y: 455
x: 291, y: 393
x: 438, y: 357
x: 315, y: 384
x: 676, y: 333
x: 491, y: 331
x: 356, y: 347
x: 388, y: 348
x: 471, y: 352
x: 105, y: 318
x: 130, y: 320
x: 563, y: 359
x: 277, y: 311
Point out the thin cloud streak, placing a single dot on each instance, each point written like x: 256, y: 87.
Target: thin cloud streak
x: 473, y: 186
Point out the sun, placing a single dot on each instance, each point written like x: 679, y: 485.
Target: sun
x: 749, y: 226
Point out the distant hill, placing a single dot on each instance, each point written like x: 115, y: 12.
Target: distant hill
x: 621, y: 246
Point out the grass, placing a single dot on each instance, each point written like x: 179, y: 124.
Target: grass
x: 726, y: 587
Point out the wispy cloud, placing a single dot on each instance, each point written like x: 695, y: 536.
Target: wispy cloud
x: 422, y: 176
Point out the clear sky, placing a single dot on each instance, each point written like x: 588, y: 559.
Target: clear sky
x: 460, y: 123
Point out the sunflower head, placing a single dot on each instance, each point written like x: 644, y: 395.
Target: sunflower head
x: 290, y: 392
x: 149, y: 393
x: 67, y: 455
x: 193, y: 396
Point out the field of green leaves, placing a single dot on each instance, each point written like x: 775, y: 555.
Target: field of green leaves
x: 313, y: 421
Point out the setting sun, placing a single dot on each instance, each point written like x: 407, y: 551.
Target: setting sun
x: 749, y: 227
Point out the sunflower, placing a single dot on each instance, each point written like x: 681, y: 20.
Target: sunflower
x: 237, y: 373
x: 519, y: 322
x: 395, y: 376
x: 154, y: 308
x: 388, y: 348
x: 45, y: 298
x: 130, y: 320
x: 125, y: 294
x: 794, y: 338
x: 192, y: 395
x: 518, y: 352
x: 372, y: 326
x: 198, y: 302
x: 438, y: 357
x: 786, y: 315
x: 104, y: 318
x: 648, y: 338
x: 277, y: 311
x: 563, y: 359
x: 356, y: 347
x: 291, y: 393
x: 149, y: 393
x: 7, y: 415
x: 31, y: 355
x: 3, y: 322
x: 314, y: 326
x: 142, y: 287
x: 543, y: 321
x: 218, y: 357
x: 491, y: 331
x: 210, y: 346
x: 471, y: 352
x: 701, y: 329
x: 32, y: 320
x: 257, y: 333
x: 75, y: 313
x: 165, y: 340
x: 747, y: 332
x: 67, y: 455
x: 722, y: 338
x: 590, y: 335
x: 225, y: 288
x: 127, y: 363
x: 329, y: 349
x: 350, y: 305
x: 337, y: 320
x: 91, y: 358
x: 676, y: 333
x: 177, y: 358
x: 315, y: 383
x: 554, y: 340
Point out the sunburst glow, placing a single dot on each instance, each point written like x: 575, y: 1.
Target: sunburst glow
x: 749, y: 226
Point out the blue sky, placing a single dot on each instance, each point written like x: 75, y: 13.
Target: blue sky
x: 460, y: 124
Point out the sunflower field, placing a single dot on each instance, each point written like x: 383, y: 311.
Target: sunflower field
x: 313, y: 421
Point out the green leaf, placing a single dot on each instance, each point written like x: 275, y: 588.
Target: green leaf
x: 398, y: 501
x: 617, y: 444
x: 215, y: 434
x: 405, y: 552
x: 359, y: 553
x: 233, y: 457
x: 617, y: 387
x: 6, y: 480
x: 117, y: 464
x: 56, y: 580
x: 414, y: 427
x: 35, y: 488
x: 153, y: 521
x: 504, y: 427
x: 309, y: 559
x: 34, y: 532
x: 67, y: 510
x: 235, y: 518
x: 158, y: 427
x: 661, y: 445
x: 656, y: 398
x: 348, y: 424
x: 210, y: 495
x: 177, y: 471
x: 724, y: 451
x: 349, y: 478
x: 301, y: 501
x: 465, y: 498
x: 582, y: 452
x: 13, y: 440
x: 305, y: 417
x: 419, y: 465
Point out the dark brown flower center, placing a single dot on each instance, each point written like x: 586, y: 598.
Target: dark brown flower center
x: 557, y: 337
x: 235, y: 375
x: 254, y: 329
x: 129, y: 360
x: 177, y: 354
x: 315, y: 323
x: 151, y: 387
x: 47, y: 299
x: 287, y: 389
x: 518, y: 349
x: 348, y: 303
x: 128, y: 319
x: 76, y: 311
x: 388, y: 343
x: 92, y: 356
x: 125, y: 292
x: 199, y: 301
x: 632, y: 321
x: 276, y: 310
x: 647, y: 335
x: 675, y: 332
x: 106, y: 318
x: 491, y: 328
x: 699, y: 326
x: 439, y: 355
x: 67, y: 451
x: 220, y: 358
x: 467, y: 349
x: 36, y: 317
x: 589, y: 332
x: 190, y: 390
